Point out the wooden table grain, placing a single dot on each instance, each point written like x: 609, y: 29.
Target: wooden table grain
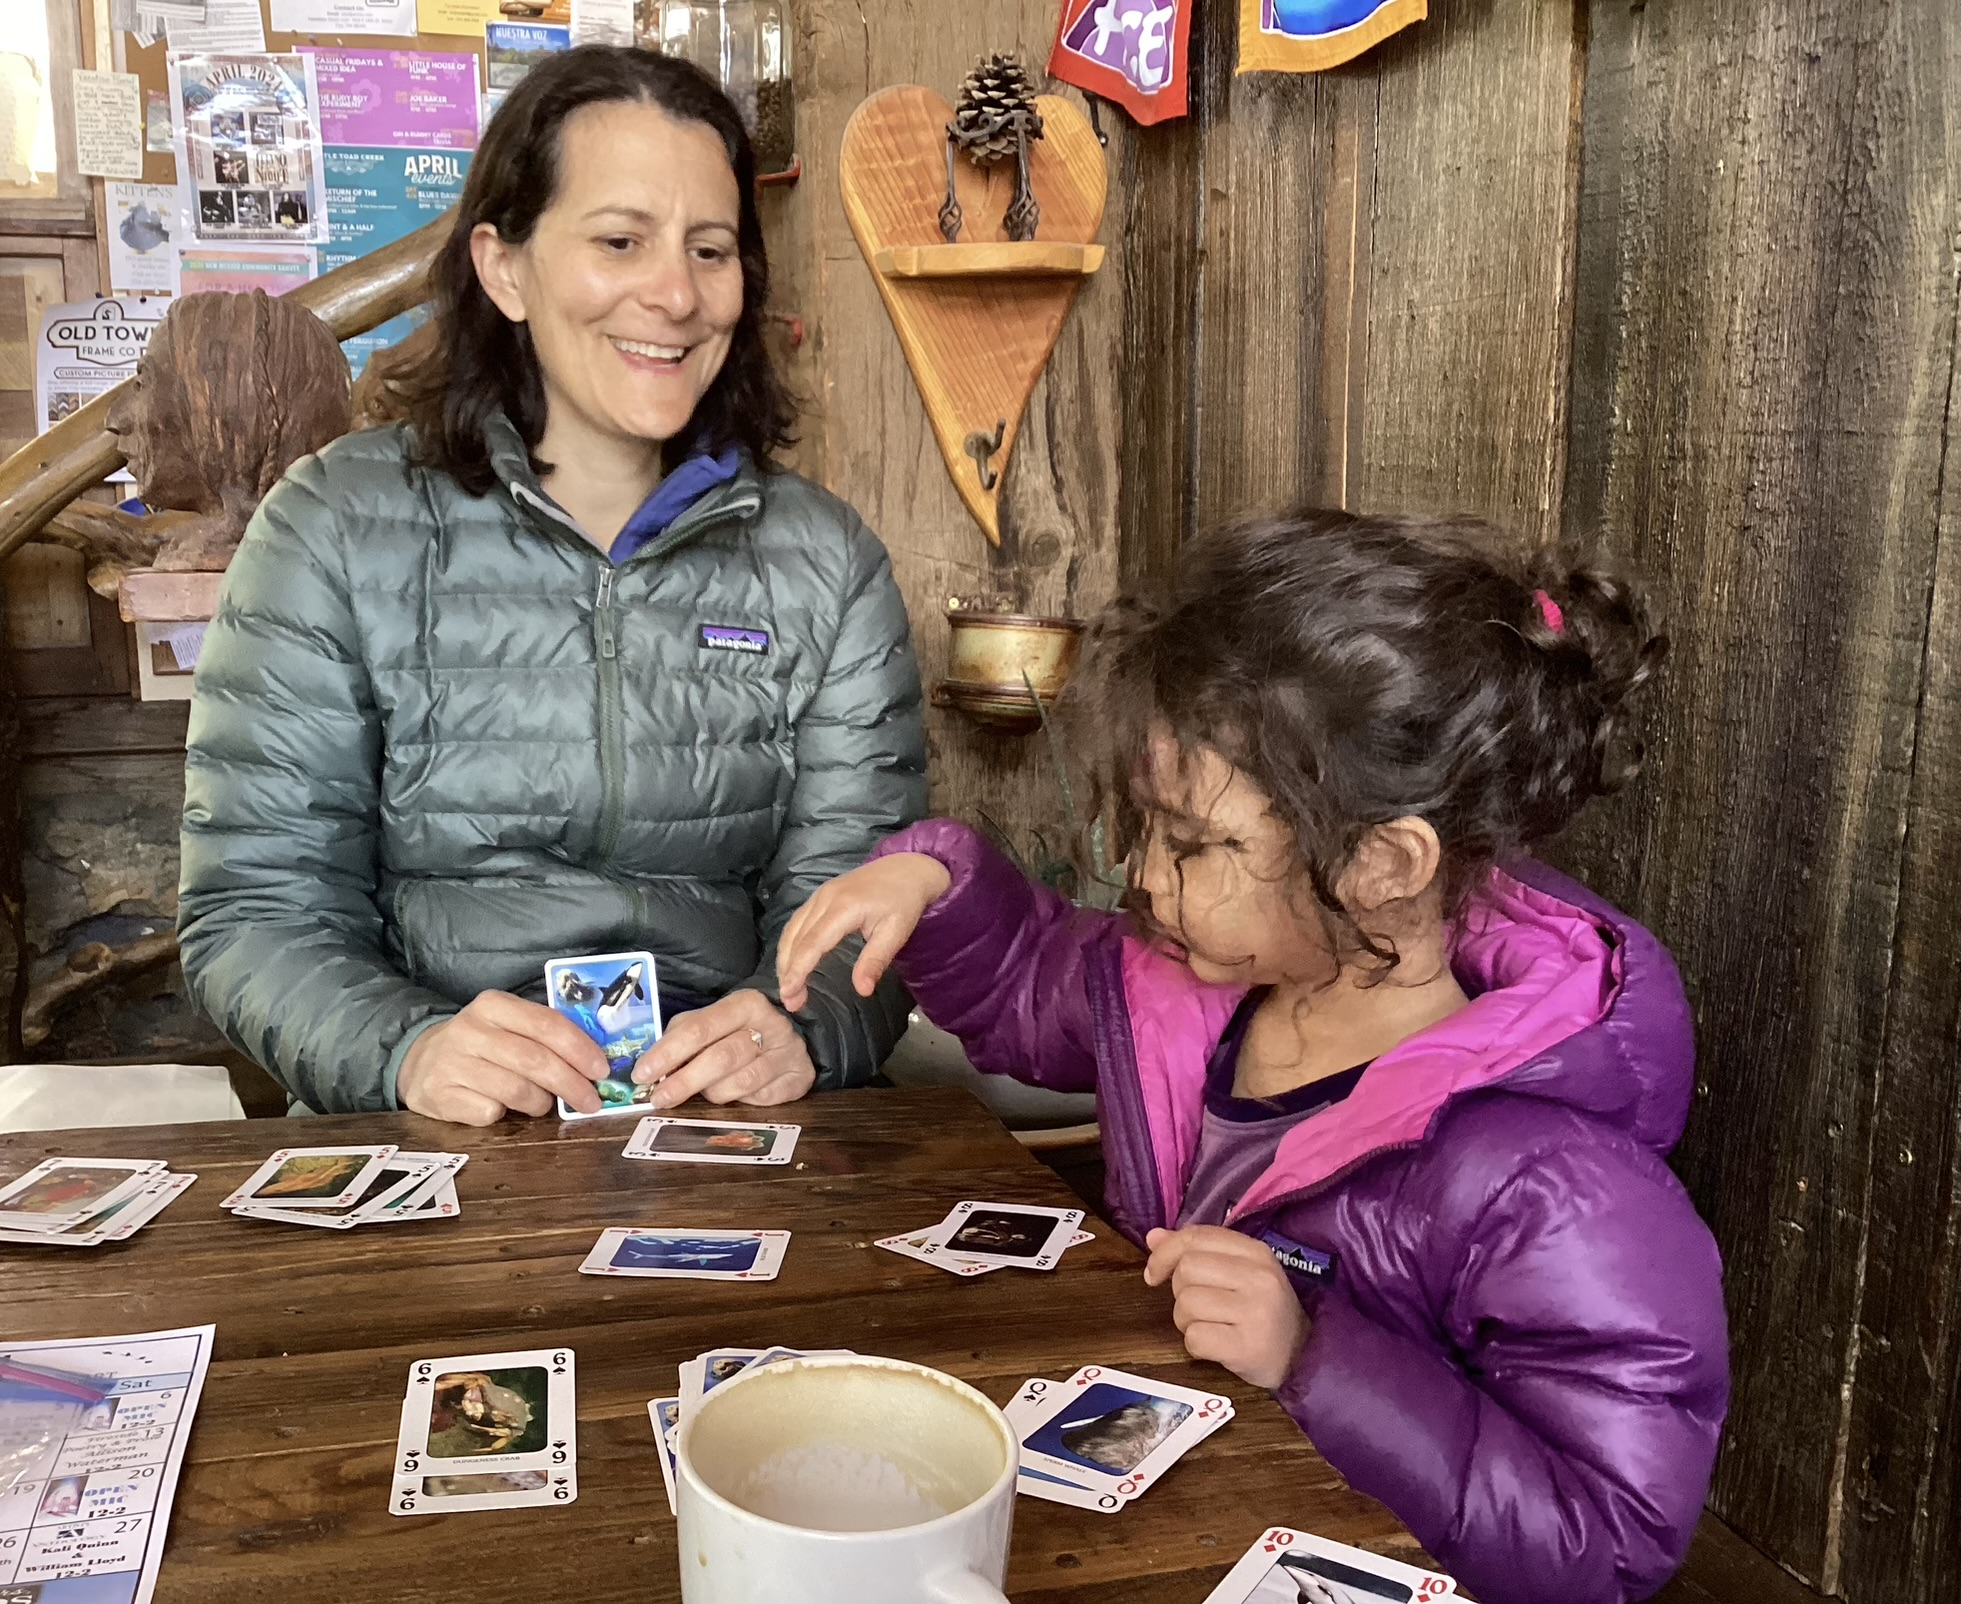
x: 284, y: 1494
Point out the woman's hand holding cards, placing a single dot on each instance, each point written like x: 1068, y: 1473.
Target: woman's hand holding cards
x: 743, y: 1049
x: 882, y: 901
x: 500, y: 1054
x: 1234, y: 1303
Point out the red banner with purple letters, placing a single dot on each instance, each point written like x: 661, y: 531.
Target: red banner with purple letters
x: 1131, y: 51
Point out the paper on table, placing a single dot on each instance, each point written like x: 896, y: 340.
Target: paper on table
x: 391, y: 17
x: 229, y: 26
x: 108, y: 124
x: 98, y: 1471
x: 142, y: 244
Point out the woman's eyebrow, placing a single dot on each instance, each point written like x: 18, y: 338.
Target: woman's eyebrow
x: 639, y: 214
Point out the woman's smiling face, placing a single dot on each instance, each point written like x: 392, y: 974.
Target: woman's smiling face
x: 630, y: 283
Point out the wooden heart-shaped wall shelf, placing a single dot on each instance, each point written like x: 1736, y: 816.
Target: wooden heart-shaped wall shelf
x: 978, y: 319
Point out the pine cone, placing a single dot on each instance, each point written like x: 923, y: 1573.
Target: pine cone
x: 996, y: 101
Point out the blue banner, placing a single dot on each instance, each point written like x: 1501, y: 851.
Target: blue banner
x: 375, y: 197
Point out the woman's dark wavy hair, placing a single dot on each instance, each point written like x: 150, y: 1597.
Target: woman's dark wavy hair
x: 482, y: 362
x: 1363, y: 669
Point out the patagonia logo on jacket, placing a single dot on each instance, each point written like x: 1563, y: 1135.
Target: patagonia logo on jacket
x: 727, y: 638
x: 1310, y: 1263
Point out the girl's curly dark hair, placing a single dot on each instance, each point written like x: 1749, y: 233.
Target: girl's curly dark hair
x: 482, y: 362
x: 1363, y: 669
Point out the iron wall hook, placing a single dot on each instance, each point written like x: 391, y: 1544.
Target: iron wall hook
x: 981, y: 446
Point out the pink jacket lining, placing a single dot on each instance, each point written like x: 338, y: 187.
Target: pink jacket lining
x: 1541, y: 971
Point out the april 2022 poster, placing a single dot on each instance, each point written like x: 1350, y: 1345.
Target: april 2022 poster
x: 249, y: 160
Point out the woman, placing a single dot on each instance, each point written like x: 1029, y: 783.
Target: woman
x: 562, y: 665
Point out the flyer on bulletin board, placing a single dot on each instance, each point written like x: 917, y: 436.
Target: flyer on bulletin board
x: 249, y: 158
x: 239, y: 269
x: 396, y: 97
x: 85, y: 349
x: 376, y: 197
x: 395, y: 18
x: 142, y: 231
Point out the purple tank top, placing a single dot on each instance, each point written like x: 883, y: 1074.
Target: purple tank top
x: 1238, y: 1136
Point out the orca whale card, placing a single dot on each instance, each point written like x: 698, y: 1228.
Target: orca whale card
x: 611, y: 996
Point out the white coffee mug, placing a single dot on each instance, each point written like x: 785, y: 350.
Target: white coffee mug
x: 845, y: 1480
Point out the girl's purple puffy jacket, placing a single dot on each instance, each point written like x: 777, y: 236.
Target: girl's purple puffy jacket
x: 1522, y: 1349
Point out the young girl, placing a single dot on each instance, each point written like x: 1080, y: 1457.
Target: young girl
x: 1386, y: 1101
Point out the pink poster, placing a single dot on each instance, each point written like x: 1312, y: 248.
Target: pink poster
x: 404, y: 98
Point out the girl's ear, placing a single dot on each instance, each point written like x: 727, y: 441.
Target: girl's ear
x: 496, y: 265
x: 1395, y: 862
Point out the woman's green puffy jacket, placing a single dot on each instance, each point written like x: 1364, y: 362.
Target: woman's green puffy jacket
x: 438, y: 738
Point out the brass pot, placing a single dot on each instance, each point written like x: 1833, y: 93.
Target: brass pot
x: 989, y: 653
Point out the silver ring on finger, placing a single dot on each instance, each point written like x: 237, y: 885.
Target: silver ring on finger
x: 756, y: 1036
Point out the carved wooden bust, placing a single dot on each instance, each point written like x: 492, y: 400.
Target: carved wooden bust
x: 231, y: 392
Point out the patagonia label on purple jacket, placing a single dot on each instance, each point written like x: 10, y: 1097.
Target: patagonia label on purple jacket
x: 727, y: 638
x: 1310, y: 1263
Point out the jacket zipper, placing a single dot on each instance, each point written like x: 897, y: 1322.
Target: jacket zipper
x: 612, y: 720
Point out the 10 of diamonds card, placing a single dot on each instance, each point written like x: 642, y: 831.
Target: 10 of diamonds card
x: 1292, y: 1567
x: 1106, y: 1434
x: 487, y: 1431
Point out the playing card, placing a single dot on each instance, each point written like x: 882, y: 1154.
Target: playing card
x: 487, y: 1412
x: 611, y: 996
x: 433, y: 1199
x: 913, y: 1246
x: 1110, y: 1431
x: 665, y: 1413
x: 394, y: 1181
x: 1290, y: 1567
x: 61, y: 1192
x: 705, y: 1372
x: 122, y: 1218
x: 689, y: 1255
x: 1024, y: 1235
x: 496, y: 1489
x: 312, y: 1177
x: 703, y: 1141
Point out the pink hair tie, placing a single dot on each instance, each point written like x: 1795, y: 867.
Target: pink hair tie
x: 1549, y: 611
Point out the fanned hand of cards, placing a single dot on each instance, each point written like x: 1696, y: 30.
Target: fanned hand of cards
x: 1101, y: 1438
x: 1291, y: 1567
x: 977, y: 1237
x: 338, y: 1188
x: 700, y: 1376
x: 84, y: 1202
x: 487, y: 1431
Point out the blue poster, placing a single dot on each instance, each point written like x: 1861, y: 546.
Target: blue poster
x: 375, y: 197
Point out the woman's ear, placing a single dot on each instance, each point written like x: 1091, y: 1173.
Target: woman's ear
x: 496, y: 265
x: 1395, y: 862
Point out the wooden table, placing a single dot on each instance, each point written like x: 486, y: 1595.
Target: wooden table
x: 285, y: 1487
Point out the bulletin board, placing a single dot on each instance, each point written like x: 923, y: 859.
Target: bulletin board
x: 388, y: 169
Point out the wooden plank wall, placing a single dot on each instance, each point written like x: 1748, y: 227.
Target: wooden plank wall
x: 1763, y: 399
x: 1356, y: 287
x: 866, y: 435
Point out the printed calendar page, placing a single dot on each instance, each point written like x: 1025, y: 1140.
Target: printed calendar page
x: 92, y: 1433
